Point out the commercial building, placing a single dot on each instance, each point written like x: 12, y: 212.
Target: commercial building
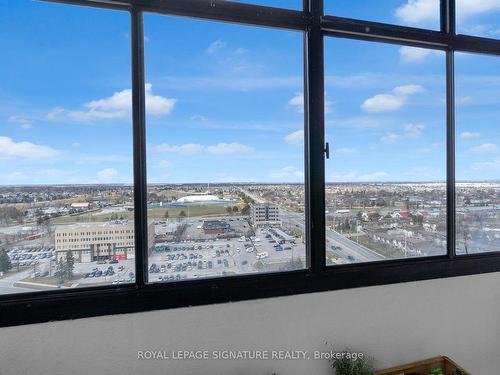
x: 215, y: 227
x: 265, y: 214
x: 98, y: 241
x: 81, y: 206
x: 198, y: 198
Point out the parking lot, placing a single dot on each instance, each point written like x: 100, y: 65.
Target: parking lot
x: 195, y: 255
x: 106, y: 272
x: 37, y: 257
x: 268, y: 250
x: 40, y: 261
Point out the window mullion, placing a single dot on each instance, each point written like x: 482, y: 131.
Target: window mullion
x: 139, y: 132
x: 315, y: 139
x: 448, y: 17
x: 450, y: 145
x: 448, y: 26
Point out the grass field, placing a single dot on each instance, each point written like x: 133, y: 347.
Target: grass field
x: 380, y: 248
x: 154, y: 213
x: 51, y: 280
x: 297, y: 231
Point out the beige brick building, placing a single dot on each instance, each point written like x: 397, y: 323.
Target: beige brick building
x: 98, y: 241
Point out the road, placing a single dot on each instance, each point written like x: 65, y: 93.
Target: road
x: 333, y: 238
x: 7, y: 283
x: 348, y: 248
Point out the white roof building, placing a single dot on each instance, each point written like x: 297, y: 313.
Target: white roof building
x: 198, y: 198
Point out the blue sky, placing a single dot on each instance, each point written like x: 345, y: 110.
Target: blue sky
x: 224, y: 102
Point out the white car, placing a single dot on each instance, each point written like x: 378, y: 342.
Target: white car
x: 262, y: 255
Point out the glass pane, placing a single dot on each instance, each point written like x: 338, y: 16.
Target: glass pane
x: 65, y: 147
x: 477, y: 154
x: 385, y: 121
x: 479, y: 18
x: 290, y: 4
x: 225, y: 149
x: 415, y: 13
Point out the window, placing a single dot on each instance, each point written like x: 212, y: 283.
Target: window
x: 415, y: 13
x: 225, y: 128
x: 65, y: 147
x: 147, y: 137
x: 477, y: 154
x: 385, y: 192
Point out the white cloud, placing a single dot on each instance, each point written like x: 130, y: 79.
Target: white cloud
x: 228, y: 178
x: 107, y: 175
x: 15, y: 177
x: 216, y: 46
x: 101, y: 158
x: 287, y: 174
x: 464, y: 100
x: 117, y: 106
x: 354, y: 176
x: 418, y: 12
x: 411, y: 131
x: 383, y: 103
x: 486, y: 165
x: 76, y: 145
x: 483, y: 30
x: 414, y: 131
x: 187, y: 149
x: 190, y: 149
x: 431, y: 148
x: 359, y: 122
x: 295, y: 137
x: 407, y: 89
x: 328, y: 107
x: 229, y: 148
x: 200, y: 118
x: 469, y: 135
x: 485, y: 148
x: 390, y: 102
x: 164, y: 164
x: 157, y: 105
x: 423, y: 173
x: 375, y: 176
x: 232, y: 83
x: 474, y: 7
x: 345, y: 151
x: 297, y: 102
x: 11, y: 149
x: 23, y: 122
x: 413, y: 54
x: 390, y: 138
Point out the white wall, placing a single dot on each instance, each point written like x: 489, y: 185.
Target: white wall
x: 459, y: 317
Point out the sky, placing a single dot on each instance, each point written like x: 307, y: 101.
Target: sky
x: 225, y: 102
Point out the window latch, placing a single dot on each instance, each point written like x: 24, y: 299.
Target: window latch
x: 327, y: 150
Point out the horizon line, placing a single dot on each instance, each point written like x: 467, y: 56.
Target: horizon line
x: 249, y: 183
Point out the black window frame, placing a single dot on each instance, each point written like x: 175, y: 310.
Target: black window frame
x: 37, y: 307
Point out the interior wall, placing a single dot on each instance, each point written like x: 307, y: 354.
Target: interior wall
x: 458, y: 317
